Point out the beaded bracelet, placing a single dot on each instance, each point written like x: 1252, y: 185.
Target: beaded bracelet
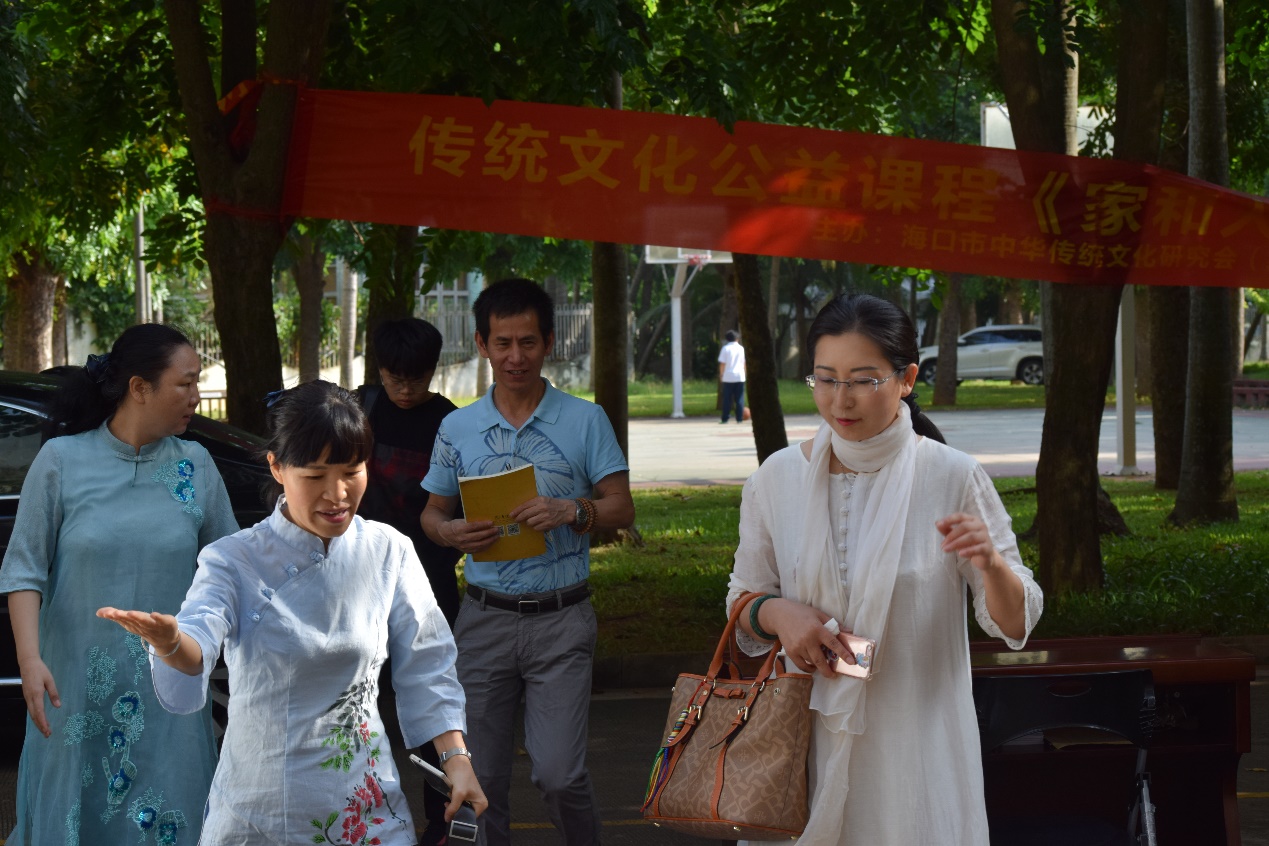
x: 589, y: 507
x: 149, y: 647
x: 753, y: 617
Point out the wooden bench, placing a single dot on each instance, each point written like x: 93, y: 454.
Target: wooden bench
x: 1251, y: 393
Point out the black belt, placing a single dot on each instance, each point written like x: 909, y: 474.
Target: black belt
x: 531, y: 603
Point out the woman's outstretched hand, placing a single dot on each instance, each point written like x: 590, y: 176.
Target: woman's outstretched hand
x: 164, y: 636
x: 158, y: 630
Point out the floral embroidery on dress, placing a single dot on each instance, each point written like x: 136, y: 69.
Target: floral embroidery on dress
x: 149, y: 816
x: 351, y: 735
x: 139, y: 658
x: 129, y: 712
x: 178, y: 476
x: 86, y: 775
x: 81, y: 727
x: 101, y: 675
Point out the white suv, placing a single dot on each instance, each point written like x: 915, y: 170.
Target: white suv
x: 992, y: 352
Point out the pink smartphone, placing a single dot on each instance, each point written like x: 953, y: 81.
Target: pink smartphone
x: 863, y: 648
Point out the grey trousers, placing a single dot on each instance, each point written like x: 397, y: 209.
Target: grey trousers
x: 547, y: 657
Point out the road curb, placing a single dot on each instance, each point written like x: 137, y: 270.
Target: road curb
x: 662, y: 669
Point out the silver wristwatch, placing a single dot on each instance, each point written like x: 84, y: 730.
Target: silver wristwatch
x: 453, y: 753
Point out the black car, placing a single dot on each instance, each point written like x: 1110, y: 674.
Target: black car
x: 24, y: 402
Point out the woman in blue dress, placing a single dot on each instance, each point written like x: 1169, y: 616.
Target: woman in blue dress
x: 113, y: 511
x: 307, y: 605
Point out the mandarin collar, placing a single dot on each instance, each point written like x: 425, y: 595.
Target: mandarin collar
x: 126, y: 451
x: 548, y: 410
x: 302, y: 539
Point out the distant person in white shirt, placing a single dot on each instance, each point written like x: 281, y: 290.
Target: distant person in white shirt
x: 731, y: 371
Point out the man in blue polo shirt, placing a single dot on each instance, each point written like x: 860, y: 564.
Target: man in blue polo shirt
x: 527, y: 626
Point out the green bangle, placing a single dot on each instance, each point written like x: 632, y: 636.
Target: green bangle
x: 753, y: 617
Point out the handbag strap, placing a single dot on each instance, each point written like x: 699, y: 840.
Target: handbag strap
x: 716, y: 665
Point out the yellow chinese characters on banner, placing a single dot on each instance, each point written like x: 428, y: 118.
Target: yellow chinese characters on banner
x: 639, y: 178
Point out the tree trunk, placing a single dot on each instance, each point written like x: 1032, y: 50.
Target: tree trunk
x: 761, y: 388
x: 800, y: 320
x: 1205, y: 492
x: 241, y: 173
x: 394, y: 266
x: 1011, y: 302
x: 949, y: 334
x: 28, y: 313
x: 773, y: 300
x: 611, y: 320
x: 1170, y: 306
x: 1079, y: 323
x: 60, y: 323
x: 1141, y: 341
x: 310, y: 283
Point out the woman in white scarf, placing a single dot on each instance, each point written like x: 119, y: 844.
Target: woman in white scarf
x: 879, y: 526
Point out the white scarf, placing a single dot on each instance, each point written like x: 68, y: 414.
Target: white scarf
x: 839, y: 701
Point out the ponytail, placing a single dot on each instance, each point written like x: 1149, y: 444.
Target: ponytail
x: 921, y: 424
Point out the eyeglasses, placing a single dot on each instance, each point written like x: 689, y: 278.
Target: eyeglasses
x: 405, y: 384
x: 827, y: 385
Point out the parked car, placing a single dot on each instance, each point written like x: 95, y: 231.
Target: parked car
x: 992, y: 352
x: 24, y: 402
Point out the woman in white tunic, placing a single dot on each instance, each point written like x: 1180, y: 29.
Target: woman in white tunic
x: 881, y: 529
x: 308, y: 605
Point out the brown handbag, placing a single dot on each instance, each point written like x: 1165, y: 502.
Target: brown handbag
x: 732, y: 762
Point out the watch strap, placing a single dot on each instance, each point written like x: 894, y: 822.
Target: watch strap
x: 453, y: 753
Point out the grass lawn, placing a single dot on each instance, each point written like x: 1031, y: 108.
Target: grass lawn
x: 667, y: 595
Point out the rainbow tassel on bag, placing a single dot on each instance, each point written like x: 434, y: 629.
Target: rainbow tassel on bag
x: 661, y: 763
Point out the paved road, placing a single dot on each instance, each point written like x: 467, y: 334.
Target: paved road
x: 700, y: 451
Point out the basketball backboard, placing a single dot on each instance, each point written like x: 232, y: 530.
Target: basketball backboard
x: 685, y: 255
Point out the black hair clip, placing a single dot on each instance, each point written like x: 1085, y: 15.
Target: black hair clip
x: 96, y: 367
x: 271, y: 398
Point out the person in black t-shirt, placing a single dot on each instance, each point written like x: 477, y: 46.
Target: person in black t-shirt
x: 405, y: 414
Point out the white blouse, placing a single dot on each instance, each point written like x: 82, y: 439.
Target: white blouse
x: 916, y: 771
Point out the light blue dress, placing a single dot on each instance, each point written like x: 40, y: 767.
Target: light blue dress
x: 305, y: 631
x: 99, y: 524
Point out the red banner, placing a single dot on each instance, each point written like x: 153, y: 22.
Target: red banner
x: 641, y: 178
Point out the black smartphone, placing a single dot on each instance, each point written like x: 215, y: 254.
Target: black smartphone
x: 462, y: 828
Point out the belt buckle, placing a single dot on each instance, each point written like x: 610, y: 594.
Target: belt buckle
x: 530, y: 606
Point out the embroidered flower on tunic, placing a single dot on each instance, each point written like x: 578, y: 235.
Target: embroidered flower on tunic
x: 145, y: 811
x: 169, y: 823
x: 351, y: 735
x: 128, y: 707
x: 178, y: 476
